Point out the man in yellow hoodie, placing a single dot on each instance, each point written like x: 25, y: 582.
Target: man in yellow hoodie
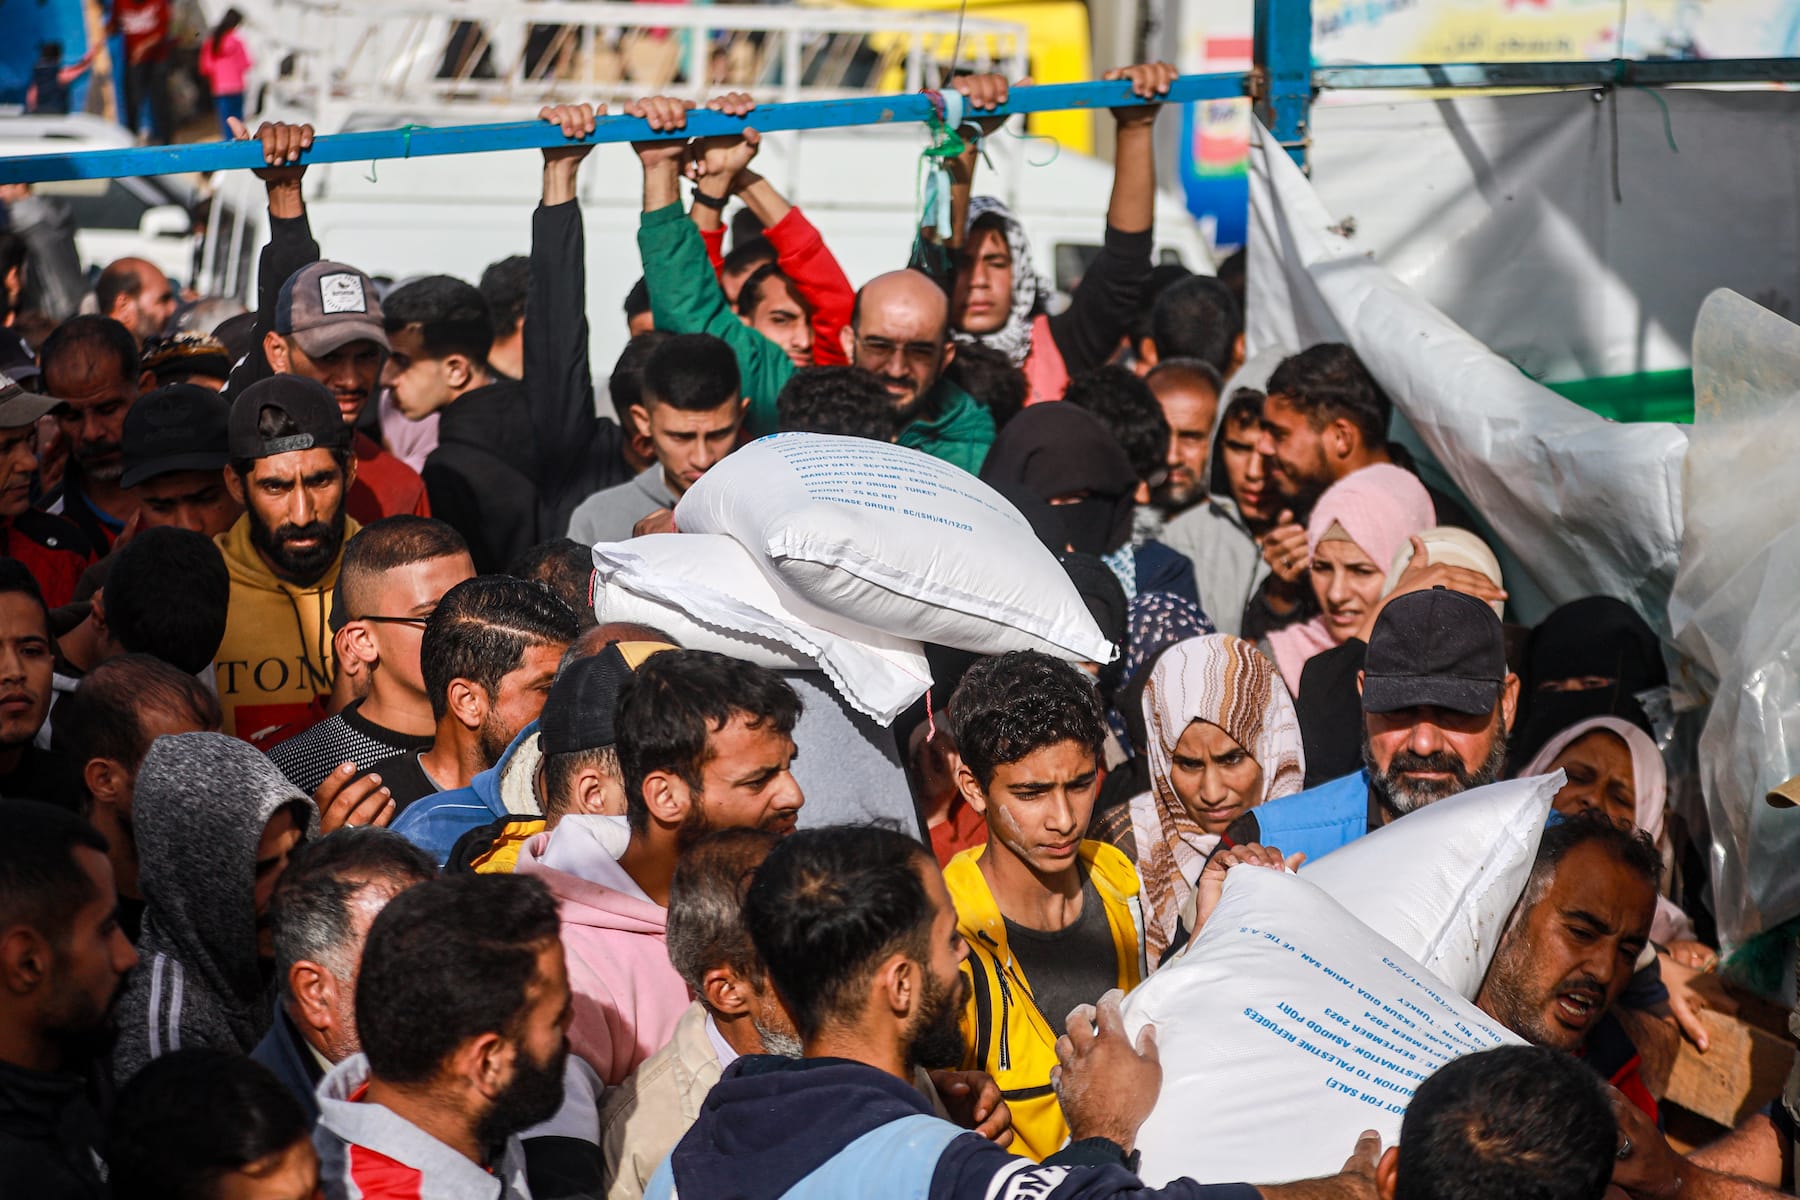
x: 290, y: 468
x: 1052, y: 919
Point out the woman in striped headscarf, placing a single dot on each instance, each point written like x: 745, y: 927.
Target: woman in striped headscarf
x: 1222, y: 738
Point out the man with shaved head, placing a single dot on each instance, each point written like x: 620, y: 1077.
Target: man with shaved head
x: 899, y: 328
x: 137, y: 295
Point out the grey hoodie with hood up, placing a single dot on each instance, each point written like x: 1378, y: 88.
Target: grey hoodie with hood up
x: 198, y: 812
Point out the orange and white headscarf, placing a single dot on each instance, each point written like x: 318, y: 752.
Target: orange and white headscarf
x: 1225, y: 681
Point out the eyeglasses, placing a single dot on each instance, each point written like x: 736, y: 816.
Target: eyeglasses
x: 878, y: 352
x: 418, y: 621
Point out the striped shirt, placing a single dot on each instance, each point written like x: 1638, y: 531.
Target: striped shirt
x: 348, y: 737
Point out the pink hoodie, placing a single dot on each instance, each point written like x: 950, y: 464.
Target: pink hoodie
x: 627, y: 995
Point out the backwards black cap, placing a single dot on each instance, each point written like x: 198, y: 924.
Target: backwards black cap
x: 578, y: 715
x: 309, y: 406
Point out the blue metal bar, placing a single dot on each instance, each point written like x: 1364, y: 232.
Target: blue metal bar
x: 1558, y: 74
x: 1283, y: 50
x: 418, y: 141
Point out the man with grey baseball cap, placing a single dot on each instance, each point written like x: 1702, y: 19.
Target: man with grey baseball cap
x: 322, y: 321
x: 52, y: 548
x: 1438, y: 702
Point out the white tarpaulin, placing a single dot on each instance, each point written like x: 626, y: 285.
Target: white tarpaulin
x: 1586, y: 505
x: 1501, y: 213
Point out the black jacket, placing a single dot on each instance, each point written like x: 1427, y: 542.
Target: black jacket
x: 51, y: 1136
x: 288, y: 1059
x: 1103, y: 304
x: 578, y: 453
x: 291, y: 247
x: 480, y: 477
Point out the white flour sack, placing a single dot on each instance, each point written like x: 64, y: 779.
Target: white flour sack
x: 707, y: 593
x: 893, y: 538
x: 1441, y: 881
x: 1285, y: 1032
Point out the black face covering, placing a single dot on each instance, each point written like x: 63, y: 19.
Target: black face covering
x: 1058, y: 450
x: 1597, y: 637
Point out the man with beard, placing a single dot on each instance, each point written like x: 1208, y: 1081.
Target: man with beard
x: 90, y: 365
x: 463, y: 1007
x: 214, y: 823
x: 1188, y: 390
x: 704, y: 742
x: 1438, y: 702
x: 63, y: 959
x: 737, y: 1013
x: 1049, y: 915
x: 1233, y: 511
x: 321, y: 321
x: 899, y: 325
x: 290, y: 468
x: 1572, y: 945
x: 319, y: 918
x: 488, y: 656
x: 136, y: 294
x: 856, y: 929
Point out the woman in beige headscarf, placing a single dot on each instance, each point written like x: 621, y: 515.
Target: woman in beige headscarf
x: 1222, y: 739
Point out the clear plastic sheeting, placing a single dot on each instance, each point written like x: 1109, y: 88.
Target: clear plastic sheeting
x: 1584, y: 505
x: 1732, y: 610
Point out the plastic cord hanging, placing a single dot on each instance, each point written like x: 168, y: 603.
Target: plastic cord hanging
x: 946, y: 143
x: 406, y: 132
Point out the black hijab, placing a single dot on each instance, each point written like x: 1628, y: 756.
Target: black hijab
x: 1595, y: 637
x: 1057, y: 449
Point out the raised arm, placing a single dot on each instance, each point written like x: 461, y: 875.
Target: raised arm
x: 291, y: 242
x: 685, y: 296
x: 932, y: 254
x: 805, y: 259
x: 559, y: 386
x: 1088, y: 331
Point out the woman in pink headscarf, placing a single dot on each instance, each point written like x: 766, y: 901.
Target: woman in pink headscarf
x: 1357, y: 527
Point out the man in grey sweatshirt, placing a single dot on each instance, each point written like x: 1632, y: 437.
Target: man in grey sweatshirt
x: 215, y: 822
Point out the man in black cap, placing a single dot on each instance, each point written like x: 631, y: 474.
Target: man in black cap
x: 175, y: 448
x: 1437, y: 701
x: 174, y: 455
x: 291, y: 468
x: 576, y: 762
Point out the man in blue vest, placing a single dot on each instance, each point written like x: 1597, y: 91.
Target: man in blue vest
x: 855, y: 927
x: 1438, y: 702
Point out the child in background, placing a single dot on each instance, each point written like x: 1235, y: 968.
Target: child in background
x: 224, y: 62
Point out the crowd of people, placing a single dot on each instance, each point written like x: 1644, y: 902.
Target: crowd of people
x: 346, y: 848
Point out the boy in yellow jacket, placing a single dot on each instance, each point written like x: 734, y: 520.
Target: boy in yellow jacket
x: 1052, y: 920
